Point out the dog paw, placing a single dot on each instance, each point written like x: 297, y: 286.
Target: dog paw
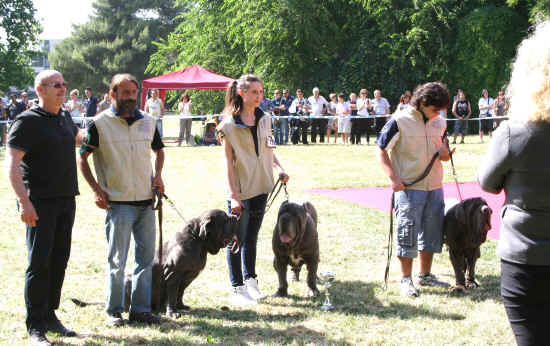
x: 173, y: 314
x: 458, y: 289
x: 313, y: 292
x: 471, y: 284
x: 280, y: 293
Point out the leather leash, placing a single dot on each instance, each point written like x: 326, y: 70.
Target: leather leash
x: 271, y: 197
x: 157, y: 195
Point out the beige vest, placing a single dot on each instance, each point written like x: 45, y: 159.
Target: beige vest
x: 417, y: 143
x: 253, y: 173
x: 123, y: 159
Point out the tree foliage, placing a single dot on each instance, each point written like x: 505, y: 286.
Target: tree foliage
x: 19, y: 32
x: 345, y: 45
x: 118, y: 38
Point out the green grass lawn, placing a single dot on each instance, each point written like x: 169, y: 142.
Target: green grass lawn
x: 353, y: 245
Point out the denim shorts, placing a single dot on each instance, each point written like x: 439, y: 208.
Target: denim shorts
x: 419, y: 218
x: 461, y: 127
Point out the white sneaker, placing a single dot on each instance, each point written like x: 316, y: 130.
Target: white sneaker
x: 253, y: 290
x: 241, y: 297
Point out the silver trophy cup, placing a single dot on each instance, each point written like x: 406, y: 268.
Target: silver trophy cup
x: 326, y: 279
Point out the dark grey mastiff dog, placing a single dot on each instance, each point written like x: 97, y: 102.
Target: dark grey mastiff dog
x: 465, y: 228
x: 184, y: 257
x: 295, y: 242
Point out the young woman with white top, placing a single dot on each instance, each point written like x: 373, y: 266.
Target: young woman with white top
x: 155, y: 107
x: 185, y: 108
x: 485, y: 104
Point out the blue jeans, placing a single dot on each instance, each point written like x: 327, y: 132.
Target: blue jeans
x: 159, y: 127
x: 123, y: 220
x: 283, y: 131
x: 250, y: 223
x: 419, y: 216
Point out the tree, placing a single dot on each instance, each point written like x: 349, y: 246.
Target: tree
x: 118, y: 38
x: 19, y: 32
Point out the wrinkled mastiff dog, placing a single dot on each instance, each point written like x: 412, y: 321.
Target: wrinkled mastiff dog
x: 465, y: 228
x: 184, y: 257
x: 295, y: 242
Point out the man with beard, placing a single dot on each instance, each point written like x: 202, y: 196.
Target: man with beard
x: 42, y: 172
x: 121, y: 139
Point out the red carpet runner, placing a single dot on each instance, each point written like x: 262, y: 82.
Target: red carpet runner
x: 379, y: 198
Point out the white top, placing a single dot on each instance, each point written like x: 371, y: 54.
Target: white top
x: 381, y: 107
x: 403, y: 106
x: 184, y: 108
x: 154, y: 107
x: 76, y: 108
x: 317, y: 105
x: 485, y: 102
x: 342, y: 109
x: 362, y: 106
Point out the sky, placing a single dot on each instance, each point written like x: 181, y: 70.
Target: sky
x: 57, y: 16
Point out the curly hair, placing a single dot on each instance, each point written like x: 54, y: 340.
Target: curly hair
x: 431, y: 94
x: 529, y: 87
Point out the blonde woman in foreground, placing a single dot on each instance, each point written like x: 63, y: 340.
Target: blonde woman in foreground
x: 517, y: 162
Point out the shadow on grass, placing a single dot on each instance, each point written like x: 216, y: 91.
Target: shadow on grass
x: 358, y: 298
x: 489, y: 289
x: 218, y: 334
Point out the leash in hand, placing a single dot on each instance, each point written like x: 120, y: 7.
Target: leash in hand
x: 272, y: 195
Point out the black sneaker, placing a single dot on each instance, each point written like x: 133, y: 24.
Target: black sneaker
x: 38, y: 338
x: 54, y: 325
x: 114, y: 320
x: 144, y: 317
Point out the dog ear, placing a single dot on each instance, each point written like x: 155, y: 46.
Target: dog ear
x: 204, y: 225
x: 460, y: 213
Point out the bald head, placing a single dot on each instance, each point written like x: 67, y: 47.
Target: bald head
x: 44, y: 77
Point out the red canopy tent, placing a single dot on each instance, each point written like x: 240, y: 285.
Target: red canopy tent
x: 192, y: 77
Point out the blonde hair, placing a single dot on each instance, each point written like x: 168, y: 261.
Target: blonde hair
x: 74, y: 92
x: 529, y: 88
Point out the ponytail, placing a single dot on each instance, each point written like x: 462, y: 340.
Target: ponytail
x: 233, y: 100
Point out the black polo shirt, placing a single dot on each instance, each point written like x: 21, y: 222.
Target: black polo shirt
x: 48, y: 141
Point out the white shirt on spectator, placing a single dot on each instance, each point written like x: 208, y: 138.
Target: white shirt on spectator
x: 154, y: 106
x: 484, y: 102
x: 360, y: 103
x: 317, y: 105
x: 381, y: 107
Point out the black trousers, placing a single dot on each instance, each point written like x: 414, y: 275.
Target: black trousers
x: 49, y: 247
x: 318, y: 126
x: 525, y: 291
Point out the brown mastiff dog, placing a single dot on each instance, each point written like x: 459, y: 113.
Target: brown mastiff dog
x: 465, y: 228
x: 295, y: 242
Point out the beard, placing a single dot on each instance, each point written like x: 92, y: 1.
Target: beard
x: 126, y: 106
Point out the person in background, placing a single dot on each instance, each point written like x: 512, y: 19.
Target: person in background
x: 517, y: 162
x: 210, y: 137
x: 25, y: 100
x: 104, y: 104
x: 300, y: 108
x: 355, y: 132
x: 185, y: 108
x: 462, y: 111
x: 363, y: 106
x: 344, y: 122
x: 332, y: 127
x: 42, y: 172
x: 318, y: 125
x: 15, y: 107
x: 278, y: 109
x: 90, y: 103
x: 155, y: 107
x: 406, y: 145
x: 486, y: 105
x: 75, y: 107
x: 3, y: 122
x: 381, y: 109
x: 287, y: 100
x: 500, y: 107
x: 404, y: 100
x: 250, y: 160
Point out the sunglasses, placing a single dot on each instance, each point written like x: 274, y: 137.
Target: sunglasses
x: 57, y: 85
